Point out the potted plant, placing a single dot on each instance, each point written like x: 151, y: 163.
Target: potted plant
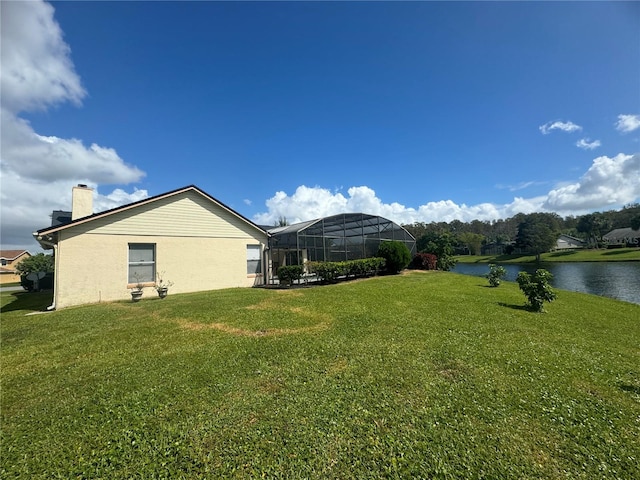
x: 162, y: 285
x: 136, y: 291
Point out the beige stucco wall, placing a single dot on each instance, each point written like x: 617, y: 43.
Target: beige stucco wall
x: 199, y: 246
x: 8, y: 277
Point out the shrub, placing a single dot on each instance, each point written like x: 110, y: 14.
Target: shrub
x: 331, y: 271
x: 496, y: 274
x: 45, y: 283
x: 396, y: 254
x: 537, y: 288
x: 289, y: 273
x: 326, y: 271
x: 424, y: 261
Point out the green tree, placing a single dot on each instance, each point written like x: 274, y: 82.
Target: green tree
x: 441, y: 245
x: 473, y: 241
x: 594, y: 226
x: 538, y: 233
x: 635, y: 222
x: 36, y: 263
x: 282, y: 222
x: 396, y: 254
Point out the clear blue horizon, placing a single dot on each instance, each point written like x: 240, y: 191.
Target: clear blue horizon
x: 416, y: 111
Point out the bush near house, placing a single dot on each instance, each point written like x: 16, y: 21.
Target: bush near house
x: 287, y: 274
x: 396, y: 255
x: 45, y: 283
x: 329, y: 272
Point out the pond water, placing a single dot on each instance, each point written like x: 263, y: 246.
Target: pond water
x: 619, y: 280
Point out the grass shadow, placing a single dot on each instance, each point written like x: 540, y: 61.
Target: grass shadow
x: 625, y: 387
x: 31, y: 301
x: 565, y: 253
x: 514, y: 256
x: 616, y: 252
x: 515, y: 307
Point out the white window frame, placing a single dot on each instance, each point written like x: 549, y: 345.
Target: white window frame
x: 253, y: 268
x: 136, y: 261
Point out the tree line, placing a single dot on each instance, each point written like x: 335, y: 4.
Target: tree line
x: 535, y: 232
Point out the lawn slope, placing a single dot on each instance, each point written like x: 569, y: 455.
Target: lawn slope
x: 429, y: 375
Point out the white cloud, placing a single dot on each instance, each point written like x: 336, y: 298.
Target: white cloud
x: 608, y: 182
x: 628, y: 123
x: 37, y: 172
x: 519, y: 186
x: 37, y: 70
x: 308, y: 203
x: 587, y: 144
x: 46, y: 159
x: 559, y: 125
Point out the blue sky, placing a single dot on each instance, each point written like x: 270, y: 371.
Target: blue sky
x: 417, y: 111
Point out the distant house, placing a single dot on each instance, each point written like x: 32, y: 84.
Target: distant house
x: 9, y: 259
x: 622, y: 237
x: 567, y: 242
x: 196, y: 241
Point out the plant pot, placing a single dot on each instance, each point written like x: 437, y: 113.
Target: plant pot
x: 162, y: 292
x: 136, y: 295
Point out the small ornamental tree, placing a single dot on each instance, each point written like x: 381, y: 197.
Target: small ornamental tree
x: 425, y: 261
x: 537, y: 288
x: 396, y: 254
x: 496, y: 274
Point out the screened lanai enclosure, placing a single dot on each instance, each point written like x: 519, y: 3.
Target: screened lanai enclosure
x: 347, y: 236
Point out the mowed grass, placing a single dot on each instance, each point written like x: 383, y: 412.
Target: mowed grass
x: 424, y: 375
x: 587, y: 255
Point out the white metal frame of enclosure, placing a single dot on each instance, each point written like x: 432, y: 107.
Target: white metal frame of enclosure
x: 347, y: 236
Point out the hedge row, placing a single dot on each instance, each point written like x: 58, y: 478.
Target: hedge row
x: 331, y: 271
x: 289, y: 273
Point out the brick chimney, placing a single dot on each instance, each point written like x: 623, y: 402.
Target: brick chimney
x: 81, y: 201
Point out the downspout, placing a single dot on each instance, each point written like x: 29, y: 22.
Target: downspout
x: 49, y: 243
x: 55, y: 278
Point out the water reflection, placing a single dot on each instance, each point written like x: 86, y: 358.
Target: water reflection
x: 619, y: 280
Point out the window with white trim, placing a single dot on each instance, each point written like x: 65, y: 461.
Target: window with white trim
x: 142, y: 262
x: 254, y: 263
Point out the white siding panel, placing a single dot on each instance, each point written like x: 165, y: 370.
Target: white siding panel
x: 185, y: 215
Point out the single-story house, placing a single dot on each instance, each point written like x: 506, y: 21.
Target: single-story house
x: 8, y: 260
x: 622, y: 237
x: 567, y: 242
x: 186, y: 235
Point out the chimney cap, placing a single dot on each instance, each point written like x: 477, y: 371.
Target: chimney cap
x: 82, y: 185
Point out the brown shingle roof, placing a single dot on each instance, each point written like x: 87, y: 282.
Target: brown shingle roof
x: 12, y: 254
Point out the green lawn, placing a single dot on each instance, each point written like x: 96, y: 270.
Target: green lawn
x: 591, y: 255
x: 424, y: 375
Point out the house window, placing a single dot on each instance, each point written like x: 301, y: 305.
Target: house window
x: 4, y: 262
x: 142, y: 262
x: 254, y: 265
